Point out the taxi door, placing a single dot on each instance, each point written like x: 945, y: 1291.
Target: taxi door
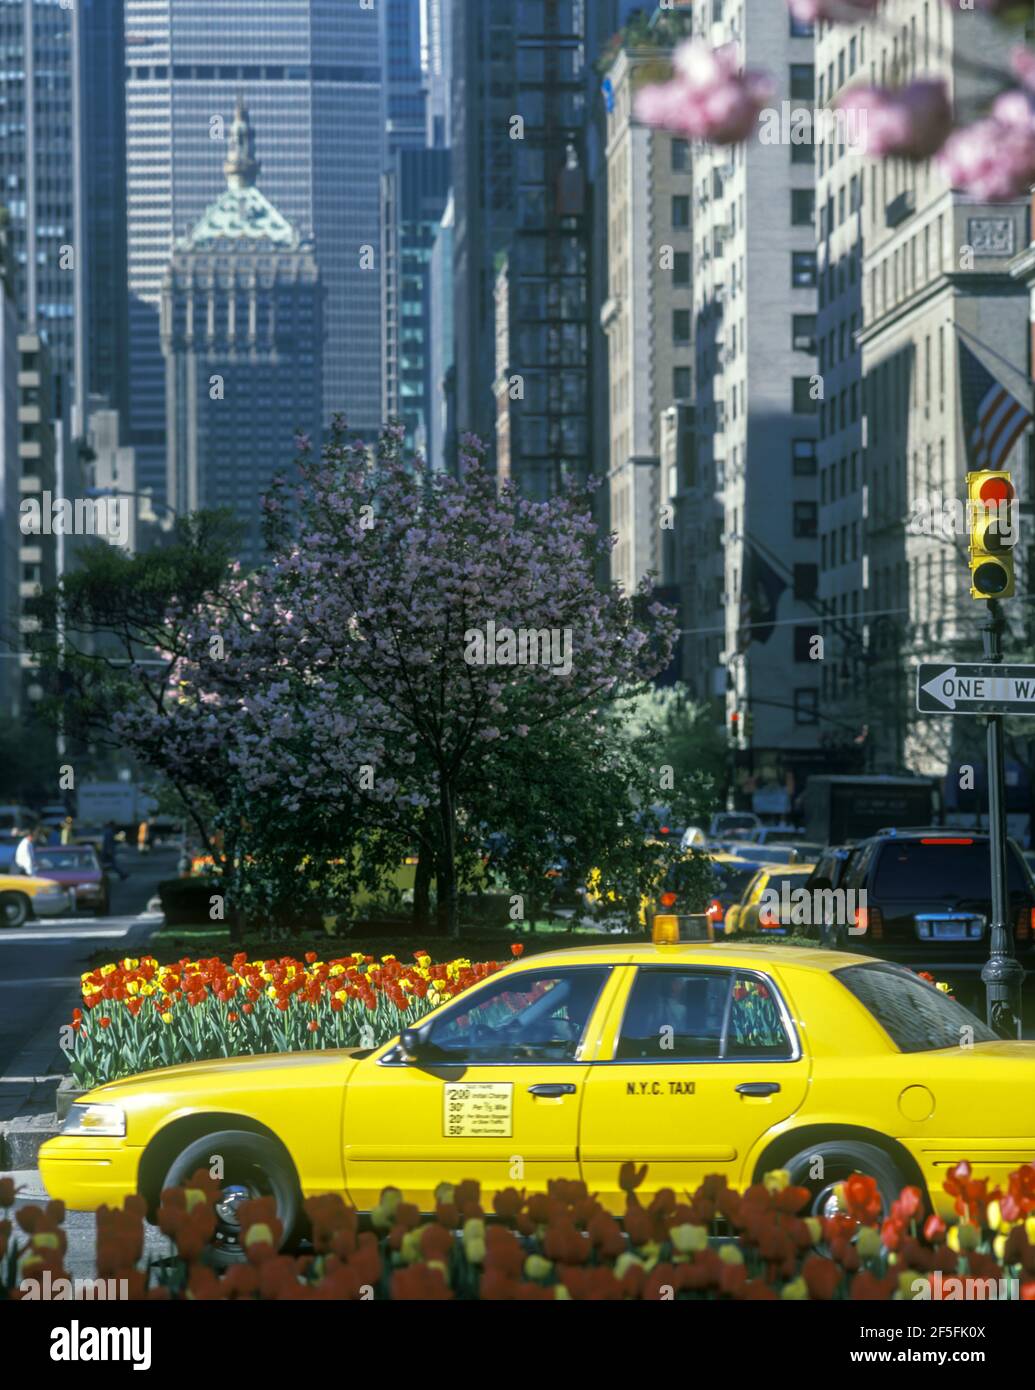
x: 497, y: 1098
x: 694, y: 1065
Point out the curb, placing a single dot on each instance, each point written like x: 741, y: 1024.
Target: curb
x: 21, y: 1140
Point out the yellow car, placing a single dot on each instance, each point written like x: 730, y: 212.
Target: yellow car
x: 27, y: 895
x: 694, y: 1059
x: 745, y: 915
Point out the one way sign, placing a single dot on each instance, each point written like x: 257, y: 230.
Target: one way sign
x: 959, y: 689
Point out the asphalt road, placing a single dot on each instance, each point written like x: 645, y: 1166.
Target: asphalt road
x: 40, y: 966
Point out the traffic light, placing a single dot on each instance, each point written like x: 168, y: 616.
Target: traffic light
x: 991, y: 520
x: 734, y: 727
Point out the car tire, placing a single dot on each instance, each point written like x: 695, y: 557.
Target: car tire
x: 254, y: 1166
x: 840, y: 1159
x: 15, y: 909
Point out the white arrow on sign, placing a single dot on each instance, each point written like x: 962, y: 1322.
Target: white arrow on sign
x: 947, y: 687
x: 937, y: 687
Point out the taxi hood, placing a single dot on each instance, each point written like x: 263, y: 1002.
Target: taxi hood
x: 227, y: 1069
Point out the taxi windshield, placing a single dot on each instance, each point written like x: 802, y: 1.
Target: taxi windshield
x: 537, y: 1015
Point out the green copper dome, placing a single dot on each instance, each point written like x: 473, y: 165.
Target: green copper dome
x: 242, y: 212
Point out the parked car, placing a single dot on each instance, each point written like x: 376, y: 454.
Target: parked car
x: 778, y: 853
x: 928, y: 898
x: 27, y: 895
x: 77, y: 867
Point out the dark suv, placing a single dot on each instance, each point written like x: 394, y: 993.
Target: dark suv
x: 928, y: 898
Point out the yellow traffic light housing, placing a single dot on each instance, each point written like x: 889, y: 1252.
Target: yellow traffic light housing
x: 991, y: 519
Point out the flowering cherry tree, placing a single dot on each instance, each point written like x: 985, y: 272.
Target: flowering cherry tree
x: 709, y: 97
x: 406, y: 625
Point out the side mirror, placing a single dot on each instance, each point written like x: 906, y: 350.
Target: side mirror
x: 410, y: 1041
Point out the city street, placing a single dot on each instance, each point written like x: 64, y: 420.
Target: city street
x: 40, y: 966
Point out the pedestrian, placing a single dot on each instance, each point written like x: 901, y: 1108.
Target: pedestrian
x: 68, y: 831
x: 108, y: 860
x: 144, y: 837
x: 25, y: 853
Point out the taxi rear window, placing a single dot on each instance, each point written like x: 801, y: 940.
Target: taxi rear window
x: 916, y: 1016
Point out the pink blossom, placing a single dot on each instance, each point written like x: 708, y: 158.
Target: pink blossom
x: 708, y: 98
x: 1022, y: 64
x: 994, y: 159
x: 843, y: 11
x: 912, y: 122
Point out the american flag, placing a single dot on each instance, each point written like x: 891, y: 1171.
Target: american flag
x: 992, y: 418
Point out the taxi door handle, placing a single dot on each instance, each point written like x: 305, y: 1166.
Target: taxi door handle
x: 552, y: 1088
x: 758, y: 1088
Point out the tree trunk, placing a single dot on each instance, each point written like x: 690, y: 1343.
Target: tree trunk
x: 422, y: 887
x: 448, y: 907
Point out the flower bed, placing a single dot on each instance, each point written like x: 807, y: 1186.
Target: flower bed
x: 138, y: 1014
x: 562, y: 1244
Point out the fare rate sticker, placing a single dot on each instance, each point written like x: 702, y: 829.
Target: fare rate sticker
x: 478, y: 1110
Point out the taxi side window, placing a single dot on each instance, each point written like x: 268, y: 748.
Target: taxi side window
x: 674, y: 1014
x: 536, y: 1016
x: 756, y: 1029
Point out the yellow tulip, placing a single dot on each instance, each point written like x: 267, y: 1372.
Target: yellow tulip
x: 167, y: 1018
x: 410, y: 1248
x: 777, y: 1181
x: 963, y: 1237
x: 194, y: 1197
x: 539, y: 1267
x: 1029, y: 1229
x: 689, y: 1238
x: 444, y: 1193
x: 815, y: 1228
x: 796, y: 1290
x: 561, y: 1292
x: 730, y: 1255
x: 867, y: 1242
x: 626, y: 1261
x: 474, y: 1249
x: 999, y: 1246
x: 108, y: 969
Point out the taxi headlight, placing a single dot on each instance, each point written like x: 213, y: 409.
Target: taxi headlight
x: 85, y: 1119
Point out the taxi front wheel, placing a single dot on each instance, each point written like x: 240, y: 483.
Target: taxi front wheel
x: 822, y: 1167
x: 247, y: 1166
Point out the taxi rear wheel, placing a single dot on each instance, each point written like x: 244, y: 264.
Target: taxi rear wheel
x: 837, y: 1161
x: 250, y: 1166
x: 14, y: 909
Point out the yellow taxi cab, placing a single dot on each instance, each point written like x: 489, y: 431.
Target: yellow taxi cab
x: 747, y: 916
x: 29, y: 895
x: 692, y: 1058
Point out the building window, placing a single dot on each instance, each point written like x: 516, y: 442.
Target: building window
x: 806, y: 521
x: 803, y: 269
x: 681, y: 268
x: 805, y: 403
x: 803, y: 333
x: 803, y: 81
x: 806, y: 582
x: 804, y: 153
x: 803, y: 639
x: 681, y: 211
x: 681, y: 325
x: 806, y: 706
x: 681, y: 383
x: 803, y: 458
x: 801, y: 28
x: 680, y: 156
x: 803, y: 207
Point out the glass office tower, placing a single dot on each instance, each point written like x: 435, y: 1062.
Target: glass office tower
x: 310, y: 74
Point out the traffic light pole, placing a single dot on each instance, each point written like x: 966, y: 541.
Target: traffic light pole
x: 1002, y: 973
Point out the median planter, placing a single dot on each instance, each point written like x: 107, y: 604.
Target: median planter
x: 68, y: 1092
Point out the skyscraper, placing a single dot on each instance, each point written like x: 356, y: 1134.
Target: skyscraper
x: 310, y: 73
x: 908, y: 271
x: 242, y: 337
x: 405, y: 100
x: 414, y: 193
